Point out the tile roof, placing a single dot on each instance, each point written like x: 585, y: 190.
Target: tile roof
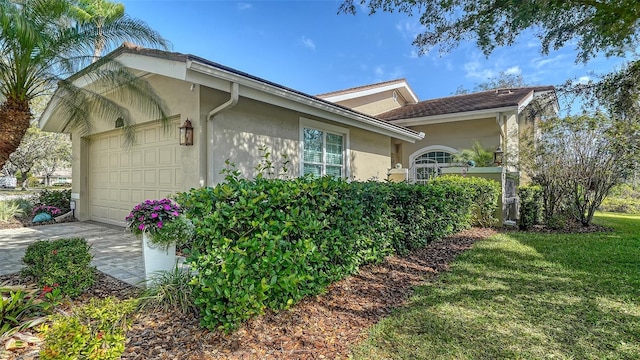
x: 490, y: 99
x: 362, y: 88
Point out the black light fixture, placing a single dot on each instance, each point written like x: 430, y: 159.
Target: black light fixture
x: 186, y: 133
x: 498, y: 156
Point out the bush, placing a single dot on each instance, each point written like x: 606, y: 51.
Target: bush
x: 93, y: 331
x: 268, y: 243
x: 66, y: 262
x: 530, y: 206
x: 9, y: 210
x: 484, y: 195
x: 622, y: 205
x: 60, y: 199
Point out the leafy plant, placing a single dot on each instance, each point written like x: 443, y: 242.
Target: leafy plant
x: 530, y: 206
x: 479, y: 155
x: 170, y: 291
x: 93, y: 331
x: 66, y: 262
x: 161, y: 220
x: 59, y: 199
x: 267, y: 243
x: 51, y: 210
x: 9, y: 210
x: 19, y: 309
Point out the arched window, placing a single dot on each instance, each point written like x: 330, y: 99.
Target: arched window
x: 426, y: 162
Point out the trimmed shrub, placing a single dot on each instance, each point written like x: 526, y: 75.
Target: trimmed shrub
x: 484, y: 195
x: 622, y: 205
x: 66, y: 262
x: 93, y: 331
x: 530, y: 206
x: 268, y: 243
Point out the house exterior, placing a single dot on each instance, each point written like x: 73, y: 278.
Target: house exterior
x: 496, y: 119
x: 234, y: 115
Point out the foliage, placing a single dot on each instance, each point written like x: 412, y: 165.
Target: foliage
x: 58, y: 157
x: 267, y: 243
x: 60, y: 199
x: 481, y: 156
x: 622, y: 198
x: 43, y: 45
x: 503, y: 80
x: 66, y: 262
x: 578, y: 159
x: 161, y: 219
x: 530, y: 206
x: 483, y: 195
x: 93, y: 331
x: 170, y: 291
x: 19, y: 309
x: 9, y: 210
x: 594, y: 26
x: 563, y: 296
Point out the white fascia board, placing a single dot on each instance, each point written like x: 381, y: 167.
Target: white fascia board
x: 44, y: 123
x: 453, y: 117
x: 253, y: 89
x: 406, y: 91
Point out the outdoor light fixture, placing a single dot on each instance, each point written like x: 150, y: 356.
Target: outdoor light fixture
x: 498, y: 156
x: 186, y: 133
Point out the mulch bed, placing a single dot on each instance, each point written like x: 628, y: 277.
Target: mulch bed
x: 322, y: 327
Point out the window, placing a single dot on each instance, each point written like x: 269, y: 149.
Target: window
x: 323, y: 149
x: 441, y: 157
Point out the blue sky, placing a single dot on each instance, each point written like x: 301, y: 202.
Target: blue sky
x: 307, y: 46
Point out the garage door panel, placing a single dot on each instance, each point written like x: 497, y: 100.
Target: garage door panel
x: 120, y: 178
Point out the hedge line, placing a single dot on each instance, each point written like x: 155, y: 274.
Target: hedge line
x: 268, y: 243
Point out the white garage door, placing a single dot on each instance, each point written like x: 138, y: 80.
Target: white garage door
x: 119, y: 177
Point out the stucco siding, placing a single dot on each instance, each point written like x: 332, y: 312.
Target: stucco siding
x: 370, y: 155
x: 375, y: 103
x: 458, y: 135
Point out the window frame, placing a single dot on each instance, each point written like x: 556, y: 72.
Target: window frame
x: 331, y: 129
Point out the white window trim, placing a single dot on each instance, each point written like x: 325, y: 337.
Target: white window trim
x: 313, y: 124
x: 431, y: 148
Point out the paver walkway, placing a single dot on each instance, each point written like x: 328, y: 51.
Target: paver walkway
x: 116, y: 253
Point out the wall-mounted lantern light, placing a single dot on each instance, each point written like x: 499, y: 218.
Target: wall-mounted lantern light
x: 498, y: 156
x: 186, y: 133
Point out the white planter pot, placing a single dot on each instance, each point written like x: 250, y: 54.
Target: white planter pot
x: 157, y: 258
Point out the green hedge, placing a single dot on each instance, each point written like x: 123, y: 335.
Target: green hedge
x: 484, y: 195
x: 530, y: 206
x: 268, y: 243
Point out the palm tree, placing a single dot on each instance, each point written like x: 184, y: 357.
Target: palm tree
x: 98, y: 12
x: 42, y: 48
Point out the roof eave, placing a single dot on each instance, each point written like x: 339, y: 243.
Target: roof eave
x: 453, y: 117
x: 357, y: 119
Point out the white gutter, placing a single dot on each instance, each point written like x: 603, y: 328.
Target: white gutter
x: 452, y: 117
x: 206, y: 135
x: 356, y: 119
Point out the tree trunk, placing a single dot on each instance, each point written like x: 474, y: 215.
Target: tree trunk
x: 15, y: 117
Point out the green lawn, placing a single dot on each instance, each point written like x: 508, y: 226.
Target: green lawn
x: 526, y: 296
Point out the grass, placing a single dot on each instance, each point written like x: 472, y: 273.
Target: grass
x: 526, y: 296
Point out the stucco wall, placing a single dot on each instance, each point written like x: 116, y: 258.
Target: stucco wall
x: 458, y: 135
x: 238, y: 133
x: 375, y: 103
x: 182, y: 103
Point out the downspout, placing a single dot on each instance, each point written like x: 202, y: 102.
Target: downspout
x: 206, y: 136
x: 500, y: 123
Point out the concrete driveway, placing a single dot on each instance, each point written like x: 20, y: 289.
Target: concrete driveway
x: 116, y: 253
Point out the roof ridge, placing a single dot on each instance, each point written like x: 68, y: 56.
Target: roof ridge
x: 355, y: 88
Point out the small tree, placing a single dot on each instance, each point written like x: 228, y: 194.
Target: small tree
x: 578, y: 159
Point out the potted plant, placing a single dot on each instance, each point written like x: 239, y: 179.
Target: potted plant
x: 161, y: 224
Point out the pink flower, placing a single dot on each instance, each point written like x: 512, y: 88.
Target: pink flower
x: 141, y: 227
x: 167, y: 207
x: 175, y: 213
x: 154, y: 215
x: 159, y: 224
